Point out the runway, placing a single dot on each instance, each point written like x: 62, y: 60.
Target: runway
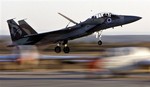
x: 67, y: 79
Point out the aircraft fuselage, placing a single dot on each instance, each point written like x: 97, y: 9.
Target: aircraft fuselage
x: 85, y: 28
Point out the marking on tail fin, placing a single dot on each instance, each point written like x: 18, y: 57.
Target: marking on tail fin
x: 15, y: 29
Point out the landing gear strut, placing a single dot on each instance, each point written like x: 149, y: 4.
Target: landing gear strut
x: 99, y: 35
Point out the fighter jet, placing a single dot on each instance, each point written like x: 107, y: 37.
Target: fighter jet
x: 26, y: 35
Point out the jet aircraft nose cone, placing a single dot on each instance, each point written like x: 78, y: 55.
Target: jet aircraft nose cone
x: 129, y: 19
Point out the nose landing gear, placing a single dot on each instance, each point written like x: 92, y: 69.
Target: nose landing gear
x: 99, y: 35
x: 100, y: 42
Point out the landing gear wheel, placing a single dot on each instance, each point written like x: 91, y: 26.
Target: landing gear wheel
x: 57, y: 49
x: 66, y: 49
x: 100, y: 42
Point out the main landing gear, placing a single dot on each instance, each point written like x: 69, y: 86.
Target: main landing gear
x: 66, y: 49
x: 99, y: 35
x: 57, y: 49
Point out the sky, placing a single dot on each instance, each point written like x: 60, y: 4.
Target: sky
x: 43, y: 16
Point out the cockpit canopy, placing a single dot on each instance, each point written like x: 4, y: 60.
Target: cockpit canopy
x: 99, y: 15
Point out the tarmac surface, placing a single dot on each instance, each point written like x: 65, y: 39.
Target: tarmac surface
x: 68, y: 79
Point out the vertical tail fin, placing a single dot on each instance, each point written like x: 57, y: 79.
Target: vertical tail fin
x: 15, y: 30
x: 26, y: 27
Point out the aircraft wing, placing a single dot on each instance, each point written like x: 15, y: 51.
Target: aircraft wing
x: 47, y: 37
x: 58, y: 35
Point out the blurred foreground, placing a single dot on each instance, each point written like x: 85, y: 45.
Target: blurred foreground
x: 68, y: 79
x: 108, y: 59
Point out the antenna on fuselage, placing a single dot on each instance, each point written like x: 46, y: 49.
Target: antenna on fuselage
x: 68, y: 18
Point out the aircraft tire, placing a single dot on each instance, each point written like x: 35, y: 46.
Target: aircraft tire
x: 100, y: 42
x: 57, y: 49
x: 66, y: 49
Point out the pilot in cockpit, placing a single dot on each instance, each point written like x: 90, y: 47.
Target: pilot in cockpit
x: 94, y: 17
x: 107, y: 15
